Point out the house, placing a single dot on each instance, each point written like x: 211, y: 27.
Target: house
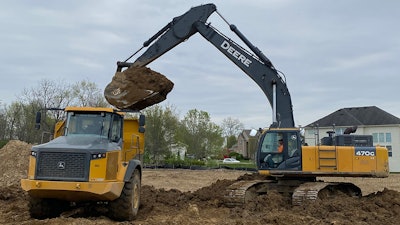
x: 246, y: 144
x: 179, y: 150
x: 369, y: 120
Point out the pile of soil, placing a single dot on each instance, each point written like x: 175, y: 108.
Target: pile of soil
x: 137, y: 88
x: 201, y: 205
x: 14, y: 162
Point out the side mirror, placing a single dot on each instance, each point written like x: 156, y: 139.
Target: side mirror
x: 142, y: 120
x: 142, y: 129
x: 38, y: 120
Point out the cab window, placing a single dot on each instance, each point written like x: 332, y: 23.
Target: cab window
x: 116, y: 128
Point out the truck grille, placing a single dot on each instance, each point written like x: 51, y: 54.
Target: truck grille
x: 62, y: 166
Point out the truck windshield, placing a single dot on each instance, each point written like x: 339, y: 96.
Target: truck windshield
x: 96, y: 123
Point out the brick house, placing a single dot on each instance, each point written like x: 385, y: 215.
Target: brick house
x: 246, y: 144
x: 370, y: 120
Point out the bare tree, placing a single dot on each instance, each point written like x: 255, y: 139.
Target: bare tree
x: 47, y: 94
x: 87, y: 93
x: 17, y: 121
x: 231, y: 126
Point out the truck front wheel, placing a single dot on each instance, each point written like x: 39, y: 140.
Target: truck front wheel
x: 42, y: 208
x: 127, y: 205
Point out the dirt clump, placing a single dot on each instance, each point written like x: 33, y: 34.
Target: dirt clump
x: 137, y: 88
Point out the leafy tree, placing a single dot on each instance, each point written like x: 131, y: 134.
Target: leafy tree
x: 161, y: 125
x: 13, y: 117
x: 231, y: 141
x: 203, y: 137
x: 3, y: 123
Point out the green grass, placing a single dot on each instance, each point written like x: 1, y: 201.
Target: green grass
x: 3, y: 142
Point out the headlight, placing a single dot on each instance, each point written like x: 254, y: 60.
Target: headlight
x: 98, y: 155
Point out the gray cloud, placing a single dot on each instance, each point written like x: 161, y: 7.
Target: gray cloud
x: 334, y: 54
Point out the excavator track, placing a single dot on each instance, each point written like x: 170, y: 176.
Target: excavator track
x: 241, y: 192
x: 307, y: 191
x: 311, y: 191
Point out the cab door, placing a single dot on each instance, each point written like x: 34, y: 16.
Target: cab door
x: 269, y: 155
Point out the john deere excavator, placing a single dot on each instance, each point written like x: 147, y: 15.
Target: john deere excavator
x: 295, y: 167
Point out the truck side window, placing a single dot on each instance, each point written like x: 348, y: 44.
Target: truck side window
x: 116, y: 129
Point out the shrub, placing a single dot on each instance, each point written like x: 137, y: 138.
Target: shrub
x: 236, y: 155
x: 3, y: 142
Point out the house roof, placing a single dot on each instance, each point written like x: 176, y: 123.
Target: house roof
x: 246, y: 134
x: 356, y: 116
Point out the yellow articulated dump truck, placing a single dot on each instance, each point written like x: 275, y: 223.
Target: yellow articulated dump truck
x: 95, y: 156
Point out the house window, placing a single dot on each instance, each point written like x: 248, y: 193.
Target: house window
x: 339, y: 131
x: 389, y: 148
x: 375, y: 137
x: 388, y: 137
x: 381, y: 137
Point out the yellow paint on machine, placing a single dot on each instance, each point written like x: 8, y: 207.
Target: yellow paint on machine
x: 105, y: 182
x: 73, y: 191
x: 338, y: 161
x: 132, y: 145
x: 331, y: 160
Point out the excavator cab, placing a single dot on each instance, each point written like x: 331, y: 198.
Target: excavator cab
x: 279, y: 149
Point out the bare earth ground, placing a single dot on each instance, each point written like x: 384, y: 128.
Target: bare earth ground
x: 195, y: 197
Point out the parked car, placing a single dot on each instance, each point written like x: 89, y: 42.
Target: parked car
x: 230, y: 160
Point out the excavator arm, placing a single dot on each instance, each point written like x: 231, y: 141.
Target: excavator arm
x: 254, y: 63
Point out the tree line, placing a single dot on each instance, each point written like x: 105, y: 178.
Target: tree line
x: 165, y: 130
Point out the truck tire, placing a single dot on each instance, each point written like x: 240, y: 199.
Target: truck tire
x: 127, y: 205
x: 42, y: 208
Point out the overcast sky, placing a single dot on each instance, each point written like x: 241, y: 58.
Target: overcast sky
x: 334, y: 53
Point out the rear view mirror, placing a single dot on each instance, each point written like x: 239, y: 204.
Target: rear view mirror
x: 38, y: 120
x: 141, y: 129
x: 142, y: 120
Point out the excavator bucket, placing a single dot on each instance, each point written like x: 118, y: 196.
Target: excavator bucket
x: 137, y: 88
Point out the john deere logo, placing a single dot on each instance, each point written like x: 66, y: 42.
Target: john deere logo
x: 61, y: 165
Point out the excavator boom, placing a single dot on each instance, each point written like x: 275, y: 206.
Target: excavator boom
x: 253, y: 62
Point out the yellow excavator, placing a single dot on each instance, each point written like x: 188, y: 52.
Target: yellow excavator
x: 292, y: 168
x: 95, y: 157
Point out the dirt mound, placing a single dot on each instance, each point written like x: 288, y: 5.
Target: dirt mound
x: 204, y: 204
x: 137, y: 88
x: 14, y: 162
